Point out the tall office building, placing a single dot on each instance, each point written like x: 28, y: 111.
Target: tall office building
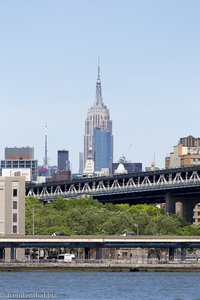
x: 80, y: 162
x: 98, y: 122
x: 102, y: 149
x: 63, y: 160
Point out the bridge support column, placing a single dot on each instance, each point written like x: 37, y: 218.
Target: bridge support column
x: 182, y: 205
x: 179, y: 208
x: 183, y: 254
x: 98, y: 253
x: 87, y: 253
x: 170, y: 204
x: 1, y: 253
x: 10, y: 254
x: 171, y: 254
x: 188, y: 207
x: 185, y: 206
x: 13, y: 254
x: 186, y: 211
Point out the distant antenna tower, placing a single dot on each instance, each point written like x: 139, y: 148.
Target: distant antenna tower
x: 153, y: 164
x: 46, y: 151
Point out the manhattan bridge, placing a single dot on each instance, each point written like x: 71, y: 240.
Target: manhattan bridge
x: 178, y: 188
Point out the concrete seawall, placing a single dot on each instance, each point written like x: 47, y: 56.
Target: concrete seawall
x: 98, y: 267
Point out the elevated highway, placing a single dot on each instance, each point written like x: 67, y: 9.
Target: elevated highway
x: 13, y: 241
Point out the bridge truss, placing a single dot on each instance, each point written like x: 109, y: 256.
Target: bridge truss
x: 152, y: 185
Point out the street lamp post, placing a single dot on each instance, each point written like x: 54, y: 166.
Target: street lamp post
x: 33, y: 215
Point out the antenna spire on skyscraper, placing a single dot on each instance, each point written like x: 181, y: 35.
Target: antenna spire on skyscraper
x: 99, y: 100
x: 46, y: 149
x: 98, y: 68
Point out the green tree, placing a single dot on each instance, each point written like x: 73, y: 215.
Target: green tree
x: 88, y: 216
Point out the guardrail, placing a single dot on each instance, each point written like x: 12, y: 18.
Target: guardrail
x: 139, y: 260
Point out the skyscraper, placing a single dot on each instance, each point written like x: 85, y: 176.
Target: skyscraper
x: 99, y: 117
x: 80, y: 162
x: 102, y: 149
x: 46, y: 160
x: 63, y: 160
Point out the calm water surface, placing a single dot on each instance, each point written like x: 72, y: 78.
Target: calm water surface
x: 100, y: 285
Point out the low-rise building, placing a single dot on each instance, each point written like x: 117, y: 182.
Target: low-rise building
x: 128, y: 166
x: 185, y: 154
x: 20, y: 158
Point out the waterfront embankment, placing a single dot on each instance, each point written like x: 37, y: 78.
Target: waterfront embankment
x: 100, y: 267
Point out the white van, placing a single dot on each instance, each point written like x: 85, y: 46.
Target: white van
x: 65, y: 257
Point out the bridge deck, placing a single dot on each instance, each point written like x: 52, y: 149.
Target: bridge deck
x: 144, y: 187
x: 100, y: 241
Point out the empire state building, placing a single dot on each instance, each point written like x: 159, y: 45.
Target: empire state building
x: 98, y: 132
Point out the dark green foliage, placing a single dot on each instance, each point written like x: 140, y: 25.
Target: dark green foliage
x: 190, y: 230
x: 86, y: 216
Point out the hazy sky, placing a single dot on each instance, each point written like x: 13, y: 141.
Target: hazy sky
x: 150, y: 72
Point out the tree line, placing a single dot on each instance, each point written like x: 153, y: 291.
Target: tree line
x: 86, y: 216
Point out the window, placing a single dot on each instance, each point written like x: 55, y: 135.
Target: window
x: 14, y: 192
x: 14, y: 229
x: 14, y: 217
x: 14, y: 204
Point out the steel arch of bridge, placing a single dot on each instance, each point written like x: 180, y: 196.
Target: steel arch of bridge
x: 153, y: 184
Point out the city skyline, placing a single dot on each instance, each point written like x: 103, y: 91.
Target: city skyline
x: 150, y: 66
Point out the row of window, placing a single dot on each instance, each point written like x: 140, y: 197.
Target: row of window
x: 16, y: 163
x: 197, y: 160
x: 15, y: 194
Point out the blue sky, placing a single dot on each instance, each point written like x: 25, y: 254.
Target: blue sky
x: 150, y: 72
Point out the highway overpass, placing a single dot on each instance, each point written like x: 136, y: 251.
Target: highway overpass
x: 37, y: 241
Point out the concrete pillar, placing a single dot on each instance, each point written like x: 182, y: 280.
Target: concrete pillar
x: 186, y: 207
x: 169, y: 204
x: 179, y: 209
x: 171, y: 253
x: 10, y: 254
x: 13, y: 254
x: 183, y: 254
x: 87, y: 253
x: 1, y: 253
x: 182, y: 205
x: 98, y: 253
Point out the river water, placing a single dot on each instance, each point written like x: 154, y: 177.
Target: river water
x: 100, y: 285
